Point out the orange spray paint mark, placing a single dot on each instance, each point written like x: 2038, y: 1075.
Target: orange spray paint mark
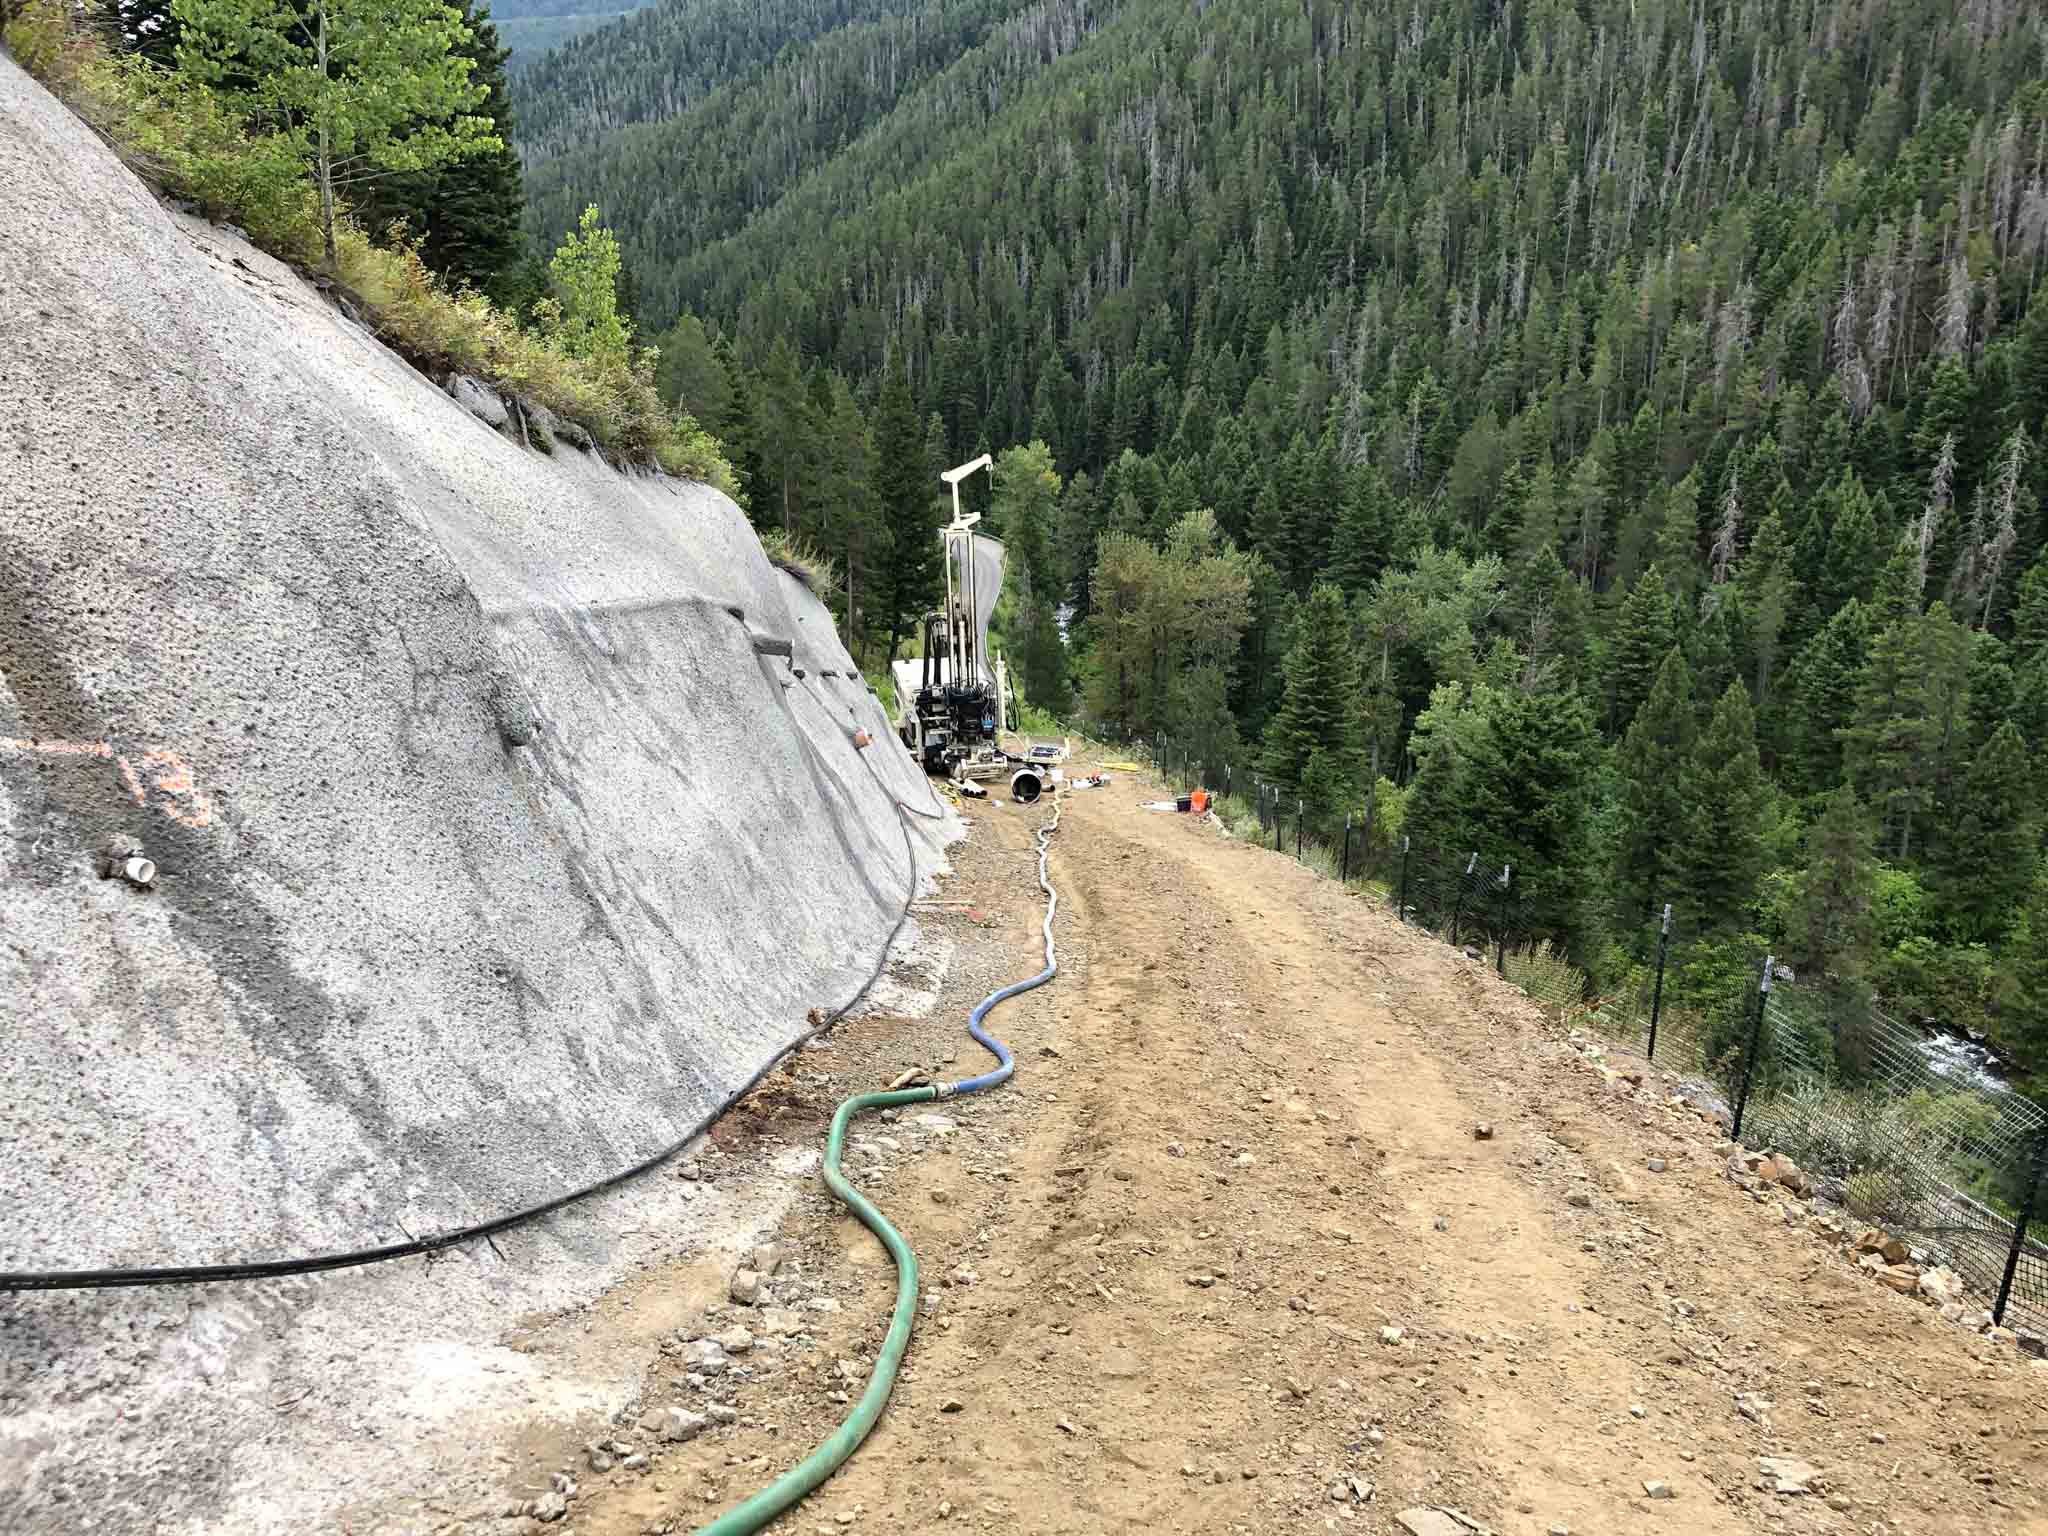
x: 191, y: 808
x: 170, y: 775
x: 56, y: 748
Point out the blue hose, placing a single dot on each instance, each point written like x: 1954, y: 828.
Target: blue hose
x: 1007, y: 1064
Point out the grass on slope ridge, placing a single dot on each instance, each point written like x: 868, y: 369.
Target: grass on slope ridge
x: 182, y: 141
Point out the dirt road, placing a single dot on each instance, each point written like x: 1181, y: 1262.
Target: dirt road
x: 1228, y: 1257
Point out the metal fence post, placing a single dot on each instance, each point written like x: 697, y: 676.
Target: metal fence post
x: 1276, y: 821
x: 1756, y: 1034
x: 1500, y: 931
x: 1657, y: 993
x: 1401, y: 897
x: 1344, y: 860
x: 1300, y: 808
x: 1458, y: 907
x: 2039, y: 1161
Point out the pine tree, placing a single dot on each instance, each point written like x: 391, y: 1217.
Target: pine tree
x: 1080, y: 524
x: 1319, y: 712
x: 1359, y: 547
x: 1720, y: 849
x: 1676, y: 548
x: 1643, y: 636
x: 1023, y: 509
x: 690, y: 375
x: 1770, y: 593
x: 1987, y: 861
x: 785, y: 434
x: 2030, y: 614
x: 735, y: 427
x: 1898, y: 750
x: 1823, y: 699
x: 1650, y: 816
x: 369, y: 87
x: 1546, y: 617
x: 1992, y: 694
x: 1852, y: 548
x: 1305, y: 488
x: 464, y: 213
x: 1830, y: 925
x: 1524, y: 789
x: 907, y: 580
x: 1942, y: 412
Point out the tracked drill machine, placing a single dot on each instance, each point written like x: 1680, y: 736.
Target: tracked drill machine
x: 953, y: 699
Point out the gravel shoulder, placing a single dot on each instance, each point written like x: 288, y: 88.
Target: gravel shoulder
x: 1228, y: 1256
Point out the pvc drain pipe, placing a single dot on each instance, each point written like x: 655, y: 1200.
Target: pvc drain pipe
x: 756, y: 1512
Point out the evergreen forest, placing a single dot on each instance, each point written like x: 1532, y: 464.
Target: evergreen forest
x: 1621, y: 423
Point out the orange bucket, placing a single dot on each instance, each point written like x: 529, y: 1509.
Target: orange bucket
x: 1200, y: 801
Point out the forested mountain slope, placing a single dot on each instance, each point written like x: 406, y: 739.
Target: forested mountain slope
x: 530, y: 27
x: 662, y: 60
x: 1678, y: 361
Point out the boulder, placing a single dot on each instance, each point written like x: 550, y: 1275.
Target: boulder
x: 679, y: 1424
x: 544, y: 423
x: 480, y: 400
x: 1428, y: 1522
x: 1787, y: 1474
x: 1941, y: 1285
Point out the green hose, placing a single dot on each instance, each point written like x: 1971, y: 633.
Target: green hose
x: 807, y: 1474
x: 744, y: 1519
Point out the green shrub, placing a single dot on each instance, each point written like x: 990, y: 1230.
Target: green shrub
x: 1033, y: 721
x: 1892, y: 1155
x: 45, y: 40
x: 1953, y: 982
x: 180, y: 138
x: 1547, y: 974
x: 818, y: 572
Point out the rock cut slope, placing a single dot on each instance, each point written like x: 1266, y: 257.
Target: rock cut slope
x: 497, y: 839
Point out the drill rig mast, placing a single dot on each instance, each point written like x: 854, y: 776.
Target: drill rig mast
x: 953, y: 699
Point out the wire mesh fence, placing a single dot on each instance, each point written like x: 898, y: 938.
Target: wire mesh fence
x: 1912, y: 1140
x: 1895, y: 1126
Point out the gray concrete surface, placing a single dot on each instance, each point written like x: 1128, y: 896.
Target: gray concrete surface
x: 275, y: 610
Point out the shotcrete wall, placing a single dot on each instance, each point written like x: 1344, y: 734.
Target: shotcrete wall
x: 492, y: 854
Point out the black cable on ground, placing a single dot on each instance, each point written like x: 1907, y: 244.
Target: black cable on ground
x: 266, y: 1269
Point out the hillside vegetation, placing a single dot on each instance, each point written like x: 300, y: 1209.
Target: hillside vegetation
x: 528, y: 28
x: 1615, y: 423
x: 387, y: 174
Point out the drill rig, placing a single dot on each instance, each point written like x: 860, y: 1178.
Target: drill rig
x: 953, y: 699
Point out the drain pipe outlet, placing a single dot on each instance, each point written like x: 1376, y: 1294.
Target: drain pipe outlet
x: 126, y: 861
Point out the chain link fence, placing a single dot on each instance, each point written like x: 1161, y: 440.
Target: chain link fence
x: 1900, y: 1127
